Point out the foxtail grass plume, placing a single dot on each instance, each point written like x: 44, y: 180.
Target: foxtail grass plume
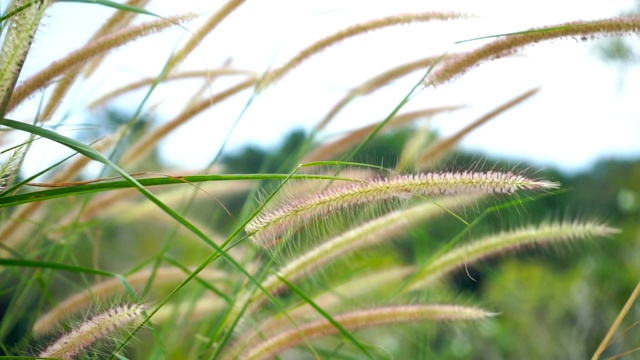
x: 541, y: 234
x: 378, y: 282
x: 97, y: 328
x: 373, y: 84
x: 209, y: 74
x: 211, y: 23
x: 268, y: 226
x: 11, y: 167
x: 353, y: 31
x: 364, y: 319
x: 362, y: 287
x: 119, y: 20
x: 90, y: 52
x: 22, y: 25
x: 511, y: 43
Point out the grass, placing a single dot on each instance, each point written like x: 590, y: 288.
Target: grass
x: 315, y: 253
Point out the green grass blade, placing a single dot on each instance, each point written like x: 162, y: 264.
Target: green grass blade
x: 37, y: 264
x: 107, y: 185
x: 49, y: 265
x: 115, y: 5
x: 524, y: 32
x: 15, y: 11
x: 327, y: 316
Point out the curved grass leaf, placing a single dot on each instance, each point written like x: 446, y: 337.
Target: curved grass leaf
x: 115, y: 5
x: 37, y: 264
x: 108, y: 185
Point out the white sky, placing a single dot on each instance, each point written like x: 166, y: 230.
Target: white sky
x: 583, y: 112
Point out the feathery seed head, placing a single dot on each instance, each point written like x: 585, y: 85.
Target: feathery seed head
x: 366, y: 318
x: 541, y: 234
x: 90, y: 51
x: 97, y: 328
x: 511, y: 43
x: 355, y: 30
x: 284, y: 220
x: 21, y: 29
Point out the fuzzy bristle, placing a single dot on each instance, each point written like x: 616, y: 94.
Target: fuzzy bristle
x: 271, y: 225
x: 97, y: 328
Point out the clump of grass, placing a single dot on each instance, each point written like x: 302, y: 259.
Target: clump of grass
x: 245, y: 303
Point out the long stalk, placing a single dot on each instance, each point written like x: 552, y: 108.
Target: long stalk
x: 616, y: 324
